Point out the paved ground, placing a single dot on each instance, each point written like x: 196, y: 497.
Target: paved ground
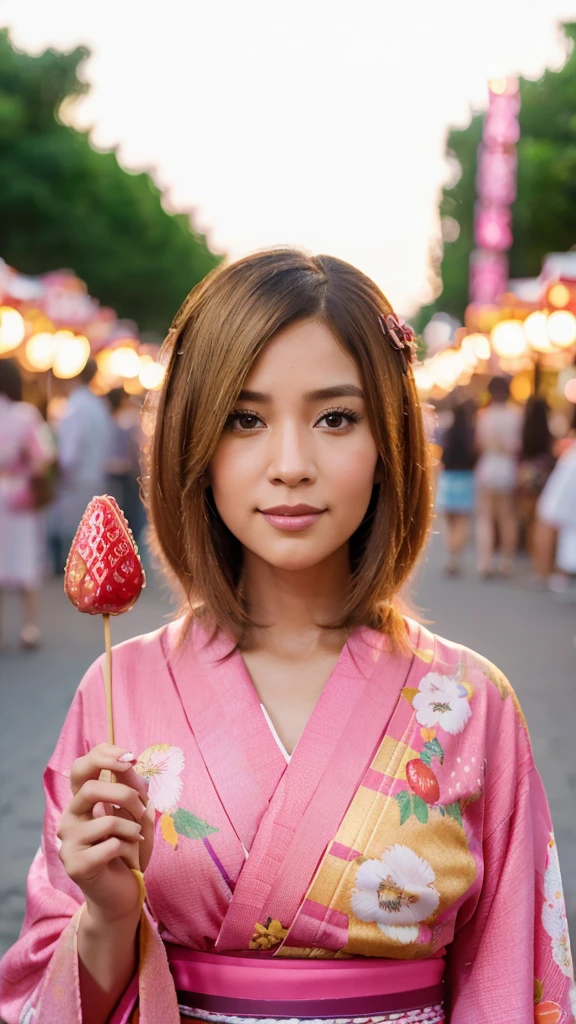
x: 529, y: 635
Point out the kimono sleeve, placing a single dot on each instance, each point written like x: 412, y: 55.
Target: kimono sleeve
x: 39, y: 977
x: 511, y: 960
x: 44, y: 959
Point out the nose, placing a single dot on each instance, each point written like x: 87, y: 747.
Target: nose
x: 291, y: 456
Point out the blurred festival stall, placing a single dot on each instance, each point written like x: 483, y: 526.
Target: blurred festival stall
x: 522, y: 328
x: 52, y: 326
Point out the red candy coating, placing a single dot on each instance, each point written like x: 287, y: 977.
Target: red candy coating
x: 104, y: 574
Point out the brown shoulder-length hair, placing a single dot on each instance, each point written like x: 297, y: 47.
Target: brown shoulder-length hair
x: 217, y: 334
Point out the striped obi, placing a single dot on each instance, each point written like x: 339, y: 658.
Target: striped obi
x: 233, y: 989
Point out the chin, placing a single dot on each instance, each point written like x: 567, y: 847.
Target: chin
x: 294, y: 561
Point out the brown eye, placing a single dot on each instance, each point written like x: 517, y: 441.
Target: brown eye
x: 247, y: 421
x: 334, y: 419
x: 339, y: 419
x: 240, y: 421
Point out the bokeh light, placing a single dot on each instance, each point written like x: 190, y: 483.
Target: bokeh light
x: 71, y: 354
x: 559, y: 295
x: 536, y: 331
x: 124, y: 362
x: 570, y: 390
x: 562, y: 328
x: 151, y: 374
x: 508, y: 339
x: 40, y: 350
x: 12, y: 329
x: 521, y: 388
x: 481, y: 345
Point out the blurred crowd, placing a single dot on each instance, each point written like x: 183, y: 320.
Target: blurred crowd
x: 509, y: 479
x: 504, y: 477
x: 49, y: 471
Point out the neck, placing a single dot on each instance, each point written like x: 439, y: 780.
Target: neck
x: 291, y: 605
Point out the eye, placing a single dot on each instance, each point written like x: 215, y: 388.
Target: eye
x: 242, y: 420
x: 339, y: 419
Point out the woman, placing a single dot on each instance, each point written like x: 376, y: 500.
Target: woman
x: 123, y: 463
x: 26, y: 451
x: 327, y: 809
x: 498, y: 434
x: 536, y: 464
x: 557, y: 513
x: 455, y: 496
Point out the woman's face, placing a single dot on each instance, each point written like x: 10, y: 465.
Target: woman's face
x: 294, y: 469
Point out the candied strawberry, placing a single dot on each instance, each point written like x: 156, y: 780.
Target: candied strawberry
x: 104, y: 574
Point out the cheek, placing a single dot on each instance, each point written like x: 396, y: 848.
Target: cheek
x: 352, y: 471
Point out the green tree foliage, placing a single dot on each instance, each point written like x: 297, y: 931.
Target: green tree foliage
x: 64, y: 205
x: 544, y: 214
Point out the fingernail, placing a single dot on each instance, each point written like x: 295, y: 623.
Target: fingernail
x: 116, y: 807
x: 146, y: 781
x: 128, y: 757
x: 141, y: 838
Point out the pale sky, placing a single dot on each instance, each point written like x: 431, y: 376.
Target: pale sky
x: 315, y: 122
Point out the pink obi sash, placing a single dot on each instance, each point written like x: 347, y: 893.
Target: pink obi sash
x: 266, y: 987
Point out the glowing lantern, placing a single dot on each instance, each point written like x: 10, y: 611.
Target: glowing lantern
x: 508, y: 339
x: 562, y: 328
x: 40, y: 351
x: 446, y: 368
x: 151, y: 374
x: 520, y: 388
x: 559, y: 295
x: 570, y: 390
x: 480, y: 345
x: 12, y: 329
x: 468, y: 353
x: 71, y: 354
x: 124, y: 362
x: 536, y: 331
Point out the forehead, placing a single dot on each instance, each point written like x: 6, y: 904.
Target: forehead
x: 305, y: 353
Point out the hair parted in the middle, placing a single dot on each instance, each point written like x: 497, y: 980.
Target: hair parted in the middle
x: 220, y: 330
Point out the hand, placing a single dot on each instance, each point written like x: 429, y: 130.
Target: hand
x: 99, y: 845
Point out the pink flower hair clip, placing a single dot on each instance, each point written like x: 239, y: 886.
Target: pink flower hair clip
x: 400, y: 336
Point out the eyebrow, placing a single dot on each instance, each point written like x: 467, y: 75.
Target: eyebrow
x: 320, y: 395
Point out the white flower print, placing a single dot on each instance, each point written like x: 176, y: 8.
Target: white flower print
x: 396, y: 892
x: 161, y: 765
x: 554, y: 918
x: 442, y: 700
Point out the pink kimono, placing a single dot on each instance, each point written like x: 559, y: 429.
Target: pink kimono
x: 401, y: 866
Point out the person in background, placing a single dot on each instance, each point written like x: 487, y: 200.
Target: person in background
x: 84, y: 440
x: 26, y: 453
x: 536, y: 464
x: 123, y: 464
x: 455, y: 496
x: 498, y: 439
x: 557, y: 513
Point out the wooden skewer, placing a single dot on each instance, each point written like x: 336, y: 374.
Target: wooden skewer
x: 108, y: 682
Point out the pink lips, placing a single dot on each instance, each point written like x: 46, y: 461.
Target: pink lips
x: 292, y: 518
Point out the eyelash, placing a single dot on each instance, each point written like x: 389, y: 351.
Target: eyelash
x: 348, y: 414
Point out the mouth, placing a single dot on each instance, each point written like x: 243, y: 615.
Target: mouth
x: 292, y: 518
x: 292, y: 510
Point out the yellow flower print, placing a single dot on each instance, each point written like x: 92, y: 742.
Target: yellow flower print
x: 268, y: 935
x: 168, y: 829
